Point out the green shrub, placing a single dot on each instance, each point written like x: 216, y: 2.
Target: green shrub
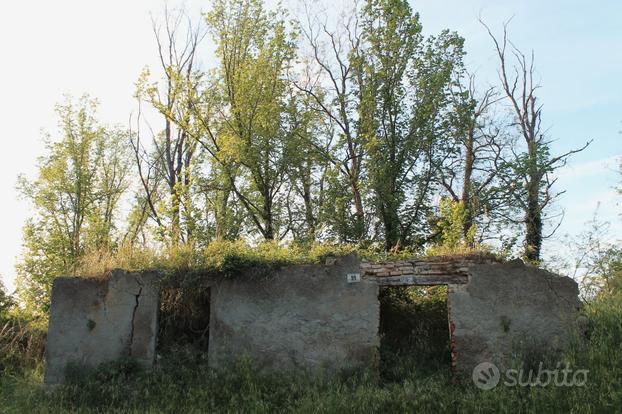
x: 22, y: 343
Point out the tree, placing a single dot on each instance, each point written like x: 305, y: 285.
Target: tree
x: 111, y: 160
x: 406, y: 82
x: 6, y: 301
x: 533, y: 166
x: 385, y: 90
x: 249, y: 137
x: 592, y: 258
x: 75, y: 198
x: 307, y: 171
x: 472, y: 172
x: 452, y: 221
x: 392, y: 36
x: 173, y: 150
x: 329, y: 79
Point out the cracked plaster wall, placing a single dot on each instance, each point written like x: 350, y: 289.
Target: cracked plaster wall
x: 309, y: 316
x: 99, y: 320
x: 509, y: 308
x: 304, y: 316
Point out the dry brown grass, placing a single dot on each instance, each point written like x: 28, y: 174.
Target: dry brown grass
x: 22, y: 343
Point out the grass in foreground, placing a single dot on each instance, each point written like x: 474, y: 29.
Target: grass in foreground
x: 189, y: 386
x: 182, y: 382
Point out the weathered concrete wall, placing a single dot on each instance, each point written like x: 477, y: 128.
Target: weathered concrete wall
x: 302, y: 316
x: 310, y: 316
x: 509, y: 307
x: 99, y: 320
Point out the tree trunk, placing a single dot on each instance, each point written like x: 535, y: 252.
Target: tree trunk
x: 222, y: 216
x: 309, y: 210
x: 466, y: 188
x: 391, y: 224
x: 175, y: 216
x: 268, y: 217
x: 359, y: 214
x: 533, y: 213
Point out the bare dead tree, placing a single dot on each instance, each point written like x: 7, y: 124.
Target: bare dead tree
x: 535, y: 166
x: 470, y: 173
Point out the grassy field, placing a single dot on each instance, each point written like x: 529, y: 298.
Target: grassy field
x: 410, y: 378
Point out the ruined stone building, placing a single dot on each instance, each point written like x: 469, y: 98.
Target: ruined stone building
x: 323, y: 317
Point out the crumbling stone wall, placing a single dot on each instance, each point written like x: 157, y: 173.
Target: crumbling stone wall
x: 317, y: 316
x: 99, y: 320
x: 306, y: 316
x: 429, y: 271
x: 496, y: 309
x: 508, y: 308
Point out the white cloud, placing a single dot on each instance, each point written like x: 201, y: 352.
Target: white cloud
x: 589, y: 168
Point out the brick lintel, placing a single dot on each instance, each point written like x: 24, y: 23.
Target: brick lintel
x: 426, y: 280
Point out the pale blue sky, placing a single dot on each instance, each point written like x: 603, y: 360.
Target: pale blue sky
x: 50, y: 48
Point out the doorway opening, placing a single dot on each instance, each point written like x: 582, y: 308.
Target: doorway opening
x: 184, y: 319
x: 414, y: 331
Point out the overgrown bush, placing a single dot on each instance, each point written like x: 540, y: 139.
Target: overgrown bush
x: 22, y: 342
x: 223, y: 257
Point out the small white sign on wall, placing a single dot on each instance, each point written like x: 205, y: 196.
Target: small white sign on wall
x: 353, y: 277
